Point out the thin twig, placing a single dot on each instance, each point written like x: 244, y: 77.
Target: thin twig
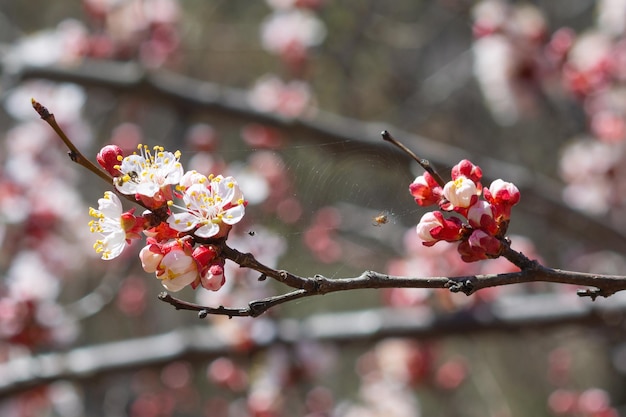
x: 74, y: 154
x: 254, y: 308
x: 424, y: 163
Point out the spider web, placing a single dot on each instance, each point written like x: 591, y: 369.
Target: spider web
x: 354, y: 182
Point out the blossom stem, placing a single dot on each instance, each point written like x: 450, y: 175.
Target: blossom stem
x: 517, y: 258
x: 424, y: 163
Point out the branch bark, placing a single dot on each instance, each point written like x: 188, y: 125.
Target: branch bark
x: 531, y: 271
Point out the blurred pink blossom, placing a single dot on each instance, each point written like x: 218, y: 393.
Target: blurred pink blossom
x: 271, y: 94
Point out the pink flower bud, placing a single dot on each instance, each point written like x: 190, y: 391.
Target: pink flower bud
x: 480, y: 216
x: 172, y: 263
x: 467, y: 169
x: 478, y: 246
x: 460, y: 193
x: 203, y: 255
x: 502, y: 192
x: 150, y: 257
x: 433, y: 227
x: 502, y: 195
x: 425, y: 190
x: 214, y: 278
x: 110, y: 158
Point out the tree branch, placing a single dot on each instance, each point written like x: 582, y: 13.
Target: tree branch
x: 531, y: 271
x: 74, y: 154
x: 602, y: 285
x: 254, y: 308
x: 424, y: 163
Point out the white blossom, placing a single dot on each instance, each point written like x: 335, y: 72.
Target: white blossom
x: 108, y: 225
x: 208, y: 205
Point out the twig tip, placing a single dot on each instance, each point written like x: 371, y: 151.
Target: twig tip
x: 40, y: 109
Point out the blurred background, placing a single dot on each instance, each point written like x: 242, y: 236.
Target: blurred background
x: 290, y: 98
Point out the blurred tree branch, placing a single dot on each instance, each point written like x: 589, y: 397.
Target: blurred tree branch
x: 541, y: 194
x: 510, y: 313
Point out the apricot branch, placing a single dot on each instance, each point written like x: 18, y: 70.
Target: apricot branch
x: 188, y: 246
x: 424, y: 163
x: 74, y: 154
x: 603, y: 285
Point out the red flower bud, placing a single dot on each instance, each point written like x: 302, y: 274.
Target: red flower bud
x: 425, y: 190
x: 109, y: 158
x: 433, y: 227
x: 203, y: 255
x: 213, y: 279
x: 478, y: 246
x: 502, y: 196
x: 468, y: 170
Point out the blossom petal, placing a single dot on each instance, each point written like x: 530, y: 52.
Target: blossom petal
x: 112, y: 245
x: 110, y: 205
x: 207, y: 230
x: 182, y: 222
x: 149, y: 189
x: 234, y: 214
x: 180, y: 282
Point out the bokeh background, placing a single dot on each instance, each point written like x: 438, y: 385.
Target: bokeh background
x: 290, y: 97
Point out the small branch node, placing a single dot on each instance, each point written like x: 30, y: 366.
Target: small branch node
x: 319, y: 281
x: 225, y: 311
x: 424, y: 163
x: 465, y: 286
x: 202, y: 314
x: 257, y: 308
x: 593, y: 293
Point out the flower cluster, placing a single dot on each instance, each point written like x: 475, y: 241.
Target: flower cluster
x: 182, y: 246
x: 478, y: 224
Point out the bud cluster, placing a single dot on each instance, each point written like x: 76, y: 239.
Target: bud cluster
x: 479, y: 225
x: 181, y: 239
